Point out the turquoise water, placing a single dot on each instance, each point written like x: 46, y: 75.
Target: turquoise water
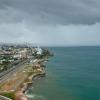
x: 72, y: 74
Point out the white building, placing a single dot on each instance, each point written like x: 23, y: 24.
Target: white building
x: 39, y: 50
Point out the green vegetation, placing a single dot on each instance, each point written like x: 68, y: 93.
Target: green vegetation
x: 5, y: 63
x: 10, y: 95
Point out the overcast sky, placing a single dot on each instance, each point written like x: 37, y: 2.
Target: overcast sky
x: 50, y: 22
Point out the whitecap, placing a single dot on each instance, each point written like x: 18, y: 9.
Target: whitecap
x: 30, y: 96
x: 36, y: 97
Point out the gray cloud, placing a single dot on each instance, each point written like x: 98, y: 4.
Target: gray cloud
x: 55, y: 11
x: 50, y: 22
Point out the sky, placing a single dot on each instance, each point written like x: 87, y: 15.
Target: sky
x: 50, y: 22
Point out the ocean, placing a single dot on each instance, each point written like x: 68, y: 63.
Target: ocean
x: 72, y: 74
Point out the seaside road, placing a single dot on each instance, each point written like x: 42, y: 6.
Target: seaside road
x: 18, y: 65
x: 17, y: 68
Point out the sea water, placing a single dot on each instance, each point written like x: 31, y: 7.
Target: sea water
x: 72, y: 74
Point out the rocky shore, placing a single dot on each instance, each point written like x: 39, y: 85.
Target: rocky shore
x: 39, y: 70
x: 16, y: 87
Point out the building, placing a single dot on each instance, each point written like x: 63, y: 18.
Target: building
x: 39, y: 50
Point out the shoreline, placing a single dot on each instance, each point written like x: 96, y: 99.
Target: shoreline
x: 37, y: 70
x: 20, y: 94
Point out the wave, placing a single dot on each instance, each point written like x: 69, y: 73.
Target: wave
x: 36, y: 97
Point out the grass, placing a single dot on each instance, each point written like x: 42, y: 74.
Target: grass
x: 10, y: 95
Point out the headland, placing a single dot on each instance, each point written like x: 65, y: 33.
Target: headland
x: 19, y: 65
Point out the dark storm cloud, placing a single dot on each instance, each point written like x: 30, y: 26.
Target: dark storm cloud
x: 54, y: 11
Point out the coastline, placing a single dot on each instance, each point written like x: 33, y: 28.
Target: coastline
x: 20, y: 93
x: 35, y: 70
